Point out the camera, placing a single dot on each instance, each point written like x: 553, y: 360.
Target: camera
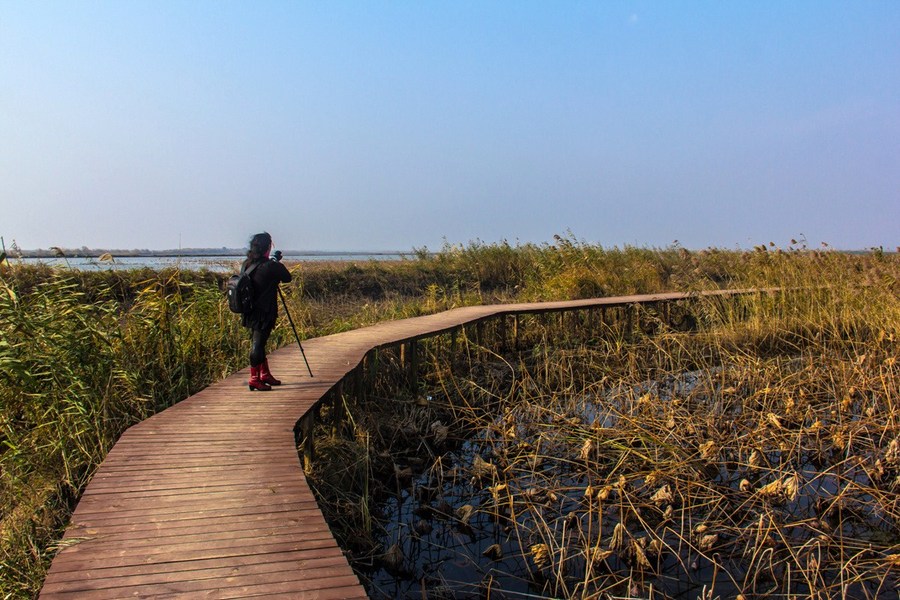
x: 277, y: 256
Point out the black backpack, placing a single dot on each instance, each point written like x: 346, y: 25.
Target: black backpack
x: 239, y: 291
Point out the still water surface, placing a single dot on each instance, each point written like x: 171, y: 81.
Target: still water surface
x: 222, y: 264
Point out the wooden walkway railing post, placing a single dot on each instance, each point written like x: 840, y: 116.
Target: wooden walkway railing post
x: 307, y: 439
x: 337, y: 406
x: 413, y: 367
x: 515, y: 333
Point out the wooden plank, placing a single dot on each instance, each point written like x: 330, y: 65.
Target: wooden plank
x: 210, y: 474
x: 165, y: 497
x: 120, y: 517
x: 210, y: 526
x: 197, y: 551
x: 335, y: 587
x: 248, y: 542
x: 266, y: 564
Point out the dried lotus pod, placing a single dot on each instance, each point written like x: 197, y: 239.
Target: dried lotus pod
x: 540, y: 554
x: 482, y: 469
x: 771, y: 490
x: 403, y: 475
x: 812, y: 566
x: 599, y: 554
x: 493, y: 552
x: 839, y: 438
x: 586, y: 449
x: 639, y: 556
x: 755, y: 460
x: 423, y: 527
x: 791, y: 487
x: 464, y: 513
x: 706, y: 542
x: 603, y: 493
x: 440, y: 432
x: 617, y: 542
x: 709, y: 450
x: 393, y: 558
x: 496, y: 489
x: 846, y: 404
x: 662, y: 496
x: 892, y: 454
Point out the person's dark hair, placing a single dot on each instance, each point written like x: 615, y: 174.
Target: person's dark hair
x: 259, y: 245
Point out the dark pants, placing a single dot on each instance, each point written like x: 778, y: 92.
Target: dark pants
x: 258, y: 346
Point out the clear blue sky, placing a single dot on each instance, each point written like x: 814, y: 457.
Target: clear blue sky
x: 392, y: 125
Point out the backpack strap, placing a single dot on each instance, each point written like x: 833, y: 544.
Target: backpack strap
x: 251, y: 269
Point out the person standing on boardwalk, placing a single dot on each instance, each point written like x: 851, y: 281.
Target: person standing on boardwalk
x: 266, y: 276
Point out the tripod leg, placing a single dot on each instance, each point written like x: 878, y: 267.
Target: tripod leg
x: 291, y: 321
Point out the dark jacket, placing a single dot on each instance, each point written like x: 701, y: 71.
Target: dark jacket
x: 266, y: 277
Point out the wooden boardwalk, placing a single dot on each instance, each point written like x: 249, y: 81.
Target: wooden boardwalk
x: 207, y: 499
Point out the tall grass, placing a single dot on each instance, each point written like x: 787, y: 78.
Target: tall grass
x: 754, y: 455
x: 85, y: 355
x: 77, y: 371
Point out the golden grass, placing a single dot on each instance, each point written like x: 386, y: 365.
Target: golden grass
x: 757, y: 455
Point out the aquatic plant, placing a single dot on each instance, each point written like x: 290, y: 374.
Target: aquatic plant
x: 753, y: 452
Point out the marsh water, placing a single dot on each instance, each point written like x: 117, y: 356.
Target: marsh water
x: 220, y: 264
x: 454, y: 529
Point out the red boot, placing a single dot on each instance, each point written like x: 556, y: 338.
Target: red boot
x: 255, y: 383
x: 266, y: 376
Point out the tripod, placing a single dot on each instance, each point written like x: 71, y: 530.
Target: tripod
x: 277, y: 257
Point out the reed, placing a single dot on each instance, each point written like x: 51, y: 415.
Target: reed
x: 752, y: 453
x: 85, y: 355
x: 76, y: 372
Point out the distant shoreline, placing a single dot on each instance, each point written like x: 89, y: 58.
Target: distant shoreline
x: 188, y: 253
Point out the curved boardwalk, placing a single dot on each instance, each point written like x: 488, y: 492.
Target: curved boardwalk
x: 208, y: 499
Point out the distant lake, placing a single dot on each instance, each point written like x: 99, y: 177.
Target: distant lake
x: 221, y: 264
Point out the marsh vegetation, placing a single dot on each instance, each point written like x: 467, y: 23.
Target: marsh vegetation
x: 743, y: 448
x: 791, y: 391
